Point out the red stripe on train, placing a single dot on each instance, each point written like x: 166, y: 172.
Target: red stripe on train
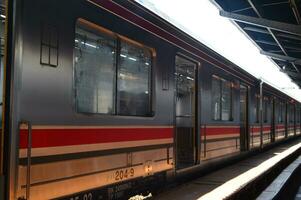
x: 257, y: 129
x: 280, y: 126
x: 66, y: 137
x: 220, y: 131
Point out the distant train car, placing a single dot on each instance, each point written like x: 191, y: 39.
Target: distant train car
x: 107, y: 100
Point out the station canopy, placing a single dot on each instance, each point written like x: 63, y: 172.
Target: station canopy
x: 274, y: 26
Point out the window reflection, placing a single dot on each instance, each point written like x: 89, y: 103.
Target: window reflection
x: 226, y: 100
x: 265, y: 109
x: 216, y: 96
x: 292, y: 113
x: 105, y: 64
x: 257, y: 107
x: 134, y: 80
x: 281, y: 111
x: 221, y: 99
x: 94, y: 70
x: 185, y: 87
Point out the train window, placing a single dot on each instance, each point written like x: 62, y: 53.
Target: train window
x: 265, y: 109
x: 297, y: 115
x: 134, y: 72
x: 221, y: 99
x: 94, y: 70
x: 226, y: 100
x: 291, y: 113
x: 49, y: 45
x: 299, y: 112
x: 216, y: 96
x: 280, y: 112
x: 112, y: 74
x: 257, y: 107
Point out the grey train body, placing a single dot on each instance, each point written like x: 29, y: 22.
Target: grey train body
x: 197, y: 107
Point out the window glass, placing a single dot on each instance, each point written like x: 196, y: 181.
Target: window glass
x: 221, y: 99
x: 280, y: 112
x: 216, y: 96
x: 291, y: 113
x: 112, y: 74
x: 297, y: 115
x: 134, y: 80
x: 94, y: 70
x: 257, y: 104
x: 226, y: 100
x: 265, y: 109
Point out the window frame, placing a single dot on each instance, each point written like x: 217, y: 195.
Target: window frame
x: 220, y: 80
x: 118, y: 39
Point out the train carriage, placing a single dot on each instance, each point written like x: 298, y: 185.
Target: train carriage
x: 108, y: 99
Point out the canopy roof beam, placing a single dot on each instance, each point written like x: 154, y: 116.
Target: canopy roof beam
x: 279, y: 51
x: 259, y: 11
x: 255, y: 29
x: 289, y: 36
x: 264, y: 31
x: 282, y: 57
x: 295, y: 11
x: 275, y: 25
x: 287, y: 47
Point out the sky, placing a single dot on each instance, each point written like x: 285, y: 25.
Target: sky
x: 200, y: 19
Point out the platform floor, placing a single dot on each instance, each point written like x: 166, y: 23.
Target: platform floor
x: 201, y: 186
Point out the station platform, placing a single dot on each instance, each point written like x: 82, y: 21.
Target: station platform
x: 246, y: 179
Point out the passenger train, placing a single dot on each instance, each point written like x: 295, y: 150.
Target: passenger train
x: 104, y: 98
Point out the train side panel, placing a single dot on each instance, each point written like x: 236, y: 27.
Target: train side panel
x: 85, y: 151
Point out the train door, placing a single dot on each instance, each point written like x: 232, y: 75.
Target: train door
x: 273, y: 121
x: 185, y: 112
x: 243, y: 118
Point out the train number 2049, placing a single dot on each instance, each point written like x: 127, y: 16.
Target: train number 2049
x: 123, y: 174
